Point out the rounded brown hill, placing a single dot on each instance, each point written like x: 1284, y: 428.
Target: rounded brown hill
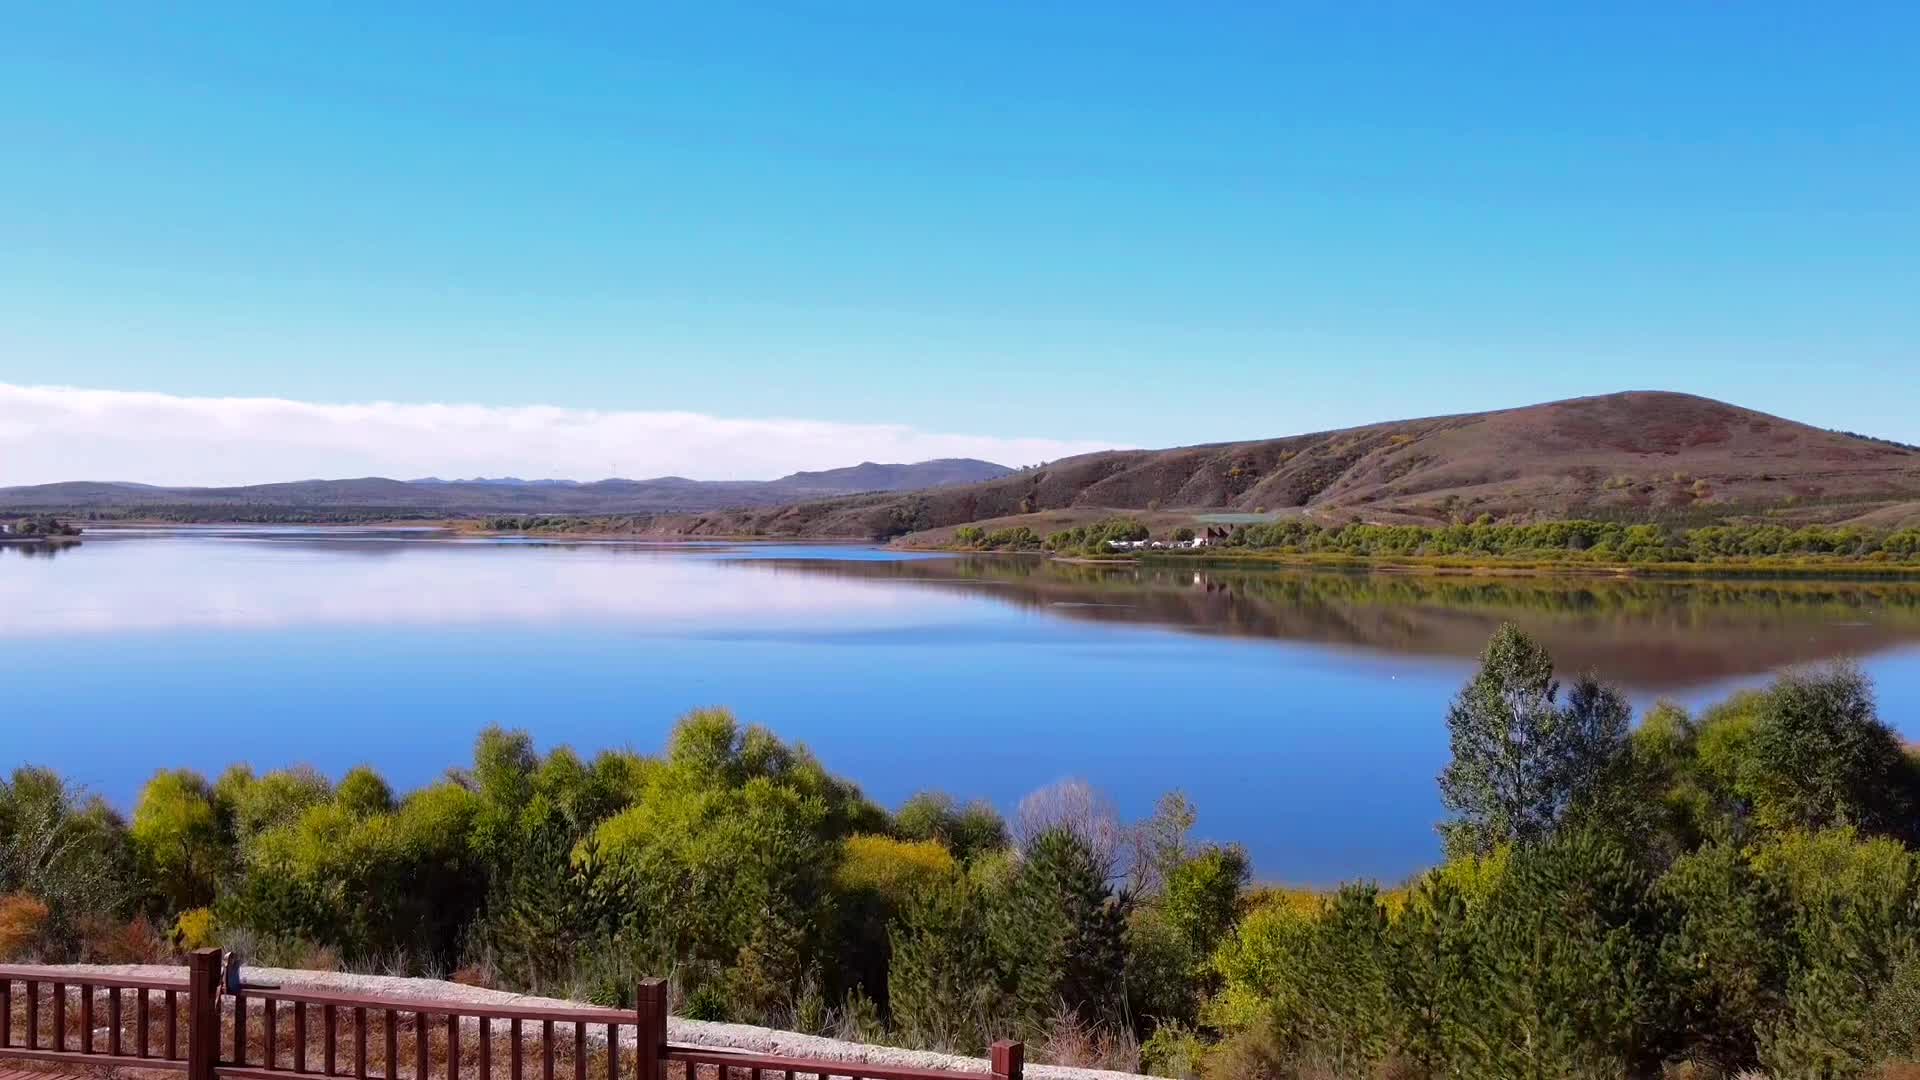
x: 1643, y: 454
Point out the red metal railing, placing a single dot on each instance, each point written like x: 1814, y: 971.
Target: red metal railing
x: 47, y: 1015
x: 278, y: 1033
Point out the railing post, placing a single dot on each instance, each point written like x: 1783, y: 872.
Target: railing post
x: 1009, y: 1060
x: 203, y: 1013
x: 650, y: 1055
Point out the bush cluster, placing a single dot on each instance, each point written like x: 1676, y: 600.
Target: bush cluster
x: 1018, y: 538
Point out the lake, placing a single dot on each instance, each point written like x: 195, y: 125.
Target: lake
x: 1302, y: 712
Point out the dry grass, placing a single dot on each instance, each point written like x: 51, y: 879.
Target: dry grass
x: 1071, y: 1040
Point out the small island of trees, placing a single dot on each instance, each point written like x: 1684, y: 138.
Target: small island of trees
x: 38, y: 527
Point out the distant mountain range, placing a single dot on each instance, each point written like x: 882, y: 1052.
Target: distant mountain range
x: 1637, y: 456
x: 378, y: 497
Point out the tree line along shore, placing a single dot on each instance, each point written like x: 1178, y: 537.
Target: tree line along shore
x: 1577, y: 545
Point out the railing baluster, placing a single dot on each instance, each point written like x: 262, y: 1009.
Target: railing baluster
x: 393, y: 1046
x: 546, y: 1050
x: 113, y: 1020
x: 513, y: 1061
x: 360, y: 1044
x: 33, y: 1015
x: 613, y: 1051
x: 453, y: 1046
x: 579, y: 1051
x: 421, y: 1035
x: 329, y: 1023
x: 486, y: 1048
x: 142, y: 1029
x: 240, y: 1029
x: 270, y: 1016
x: 6, y: 1012
x: 173, y: 1025
x: 86, y: 1019
x: 299, y: 1036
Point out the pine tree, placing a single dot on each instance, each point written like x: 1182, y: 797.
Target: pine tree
x: 1521, y: 759
x: 1432, y: 978
x: 1061, y: 933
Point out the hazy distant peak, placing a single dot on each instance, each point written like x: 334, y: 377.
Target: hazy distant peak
x: 871, y: 476
x: 370, y: 496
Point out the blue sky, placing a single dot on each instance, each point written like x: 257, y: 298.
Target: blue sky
x: 1131, y: 224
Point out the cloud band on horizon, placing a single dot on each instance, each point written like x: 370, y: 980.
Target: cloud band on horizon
x: 54, y: 433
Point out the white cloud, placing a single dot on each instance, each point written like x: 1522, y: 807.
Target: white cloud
x: 50, y: 433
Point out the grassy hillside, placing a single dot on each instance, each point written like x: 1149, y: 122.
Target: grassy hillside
x: 1639, y: 456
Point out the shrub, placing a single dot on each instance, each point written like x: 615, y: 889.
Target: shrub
x: 23, y: 926
x: 105, y: 940
x: 195, y: 930
x: 67, y: 850
x: 892, y: 869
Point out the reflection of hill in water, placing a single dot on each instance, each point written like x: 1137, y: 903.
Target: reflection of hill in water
x: 1652, y: 635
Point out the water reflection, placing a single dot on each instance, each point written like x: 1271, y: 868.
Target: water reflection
x: 271, y: 578
x: 1652, y: 635
x: 43, y: 549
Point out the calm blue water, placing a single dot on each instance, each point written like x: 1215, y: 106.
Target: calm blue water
x: 1302, y: 715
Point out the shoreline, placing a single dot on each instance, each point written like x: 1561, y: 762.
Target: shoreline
x: 1438, y: 566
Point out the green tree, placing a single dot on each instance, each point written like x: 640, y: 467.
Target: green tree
x: 877, y: 878
x: 725, y: 859
x: 249, y: 805
x: 1060, y: 934
x: 1432, y: 977
x: 68, y: 850
x: 1819, y: 756
x: 1521, y: 759
x: 944, y: 982
x: 1852, y: 904
x: 1724, y: 955
x: 367, y: 885
x: 1568, y: 946
x: 967, y: 831
x: 1201, y: 899
x: 177, y: 834
x: 532, y: 814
